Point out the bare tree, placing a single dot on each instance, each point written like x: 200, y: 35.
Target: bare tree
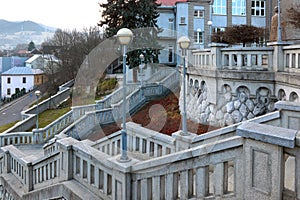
x: 294, y: 15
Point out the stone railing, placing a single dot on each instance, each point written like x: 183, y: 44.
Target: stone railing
x: 110, y: 145
x: 33, y: 174
x: 16, y: 138
x: 94, y: 173
x: 147, y: 142
x: 42, y: 135
x: 142, y: 142
x: 259, y: 58
x: 291, y: 58
x: 46, y: 170
x: 202, y: 58
x: 252, y: 160
x: 192, y: 174
x: 245, y: 58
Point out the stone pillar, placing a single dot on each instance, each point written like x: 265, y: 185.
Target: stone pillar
x: 216, y: 55
x: 182, y: 142
x: 29, y: 177
x: 121, y: 175
x: 66, y: 157
x: 278, y: 55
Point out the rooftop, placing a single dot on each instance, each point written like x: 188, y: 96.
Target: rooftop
x: 169, y: 2
x: 19, y: 71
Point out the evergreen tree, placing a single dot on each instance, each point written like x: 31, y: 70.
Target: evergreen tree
x: 135, y: 15
x: 31, y: 46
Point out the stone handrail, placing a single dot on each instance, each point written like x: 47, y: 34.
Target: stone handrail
x: 86, y: 123
x: 16, y: 138
x: 19, y: 164
x: 142, y: 142
x: 115, y: 97
x: 44, y: 134
x: 291, y: 59
x: 46, y: 170
x: 110, y: 144
x: 95, y: 173
x: 246, y: 58
x: 147, y: 142
x: 258, y: 58
x: 195, y: 173
x: 202, y: 58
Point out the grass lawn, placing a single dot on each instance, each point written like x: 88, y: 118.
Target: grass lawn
x: 48, y: 116
x: 7, y: 126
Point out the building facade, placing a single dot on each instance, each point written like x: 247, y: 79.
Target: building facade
x: 19, y: 78
x: 200, y: 19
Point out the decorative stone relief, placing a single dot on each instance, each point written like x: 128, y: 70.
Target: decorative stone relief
x: 231, y: 107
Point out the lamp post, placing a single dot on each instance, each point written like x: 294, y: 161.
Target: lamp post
x: 37, y: 94
x: 279, y: 38
x: 124, y: 36
x: 142, y: 58
x: 209, y: 23
x: 184, y: 43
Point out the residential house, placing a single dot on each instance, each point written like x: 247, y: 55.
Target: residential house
x: 17, y: 78
x: 43, y: 62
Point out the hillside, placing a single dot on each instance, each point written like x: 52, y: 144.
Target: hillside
x: 13, y: 33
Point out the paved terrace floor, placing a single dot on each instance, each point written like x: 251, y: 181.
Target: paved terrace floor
x: 35, y: 151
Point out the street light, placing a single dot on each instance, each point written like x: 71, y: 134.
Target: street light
x: 37, y: 94
x: 124, y: 36
x: 184, y: 43
x: 279, y: 37
x: 209, y: 23
x: 141, y: 66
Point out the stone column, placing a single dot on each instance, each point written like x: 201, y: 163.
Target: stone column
x: 278, y: 55
x: 216, y: 55
x: 182, y: 142
x: 66, y: 157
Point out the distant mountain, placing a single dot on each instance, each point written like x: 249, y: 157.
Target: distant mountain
x: 13, y: 33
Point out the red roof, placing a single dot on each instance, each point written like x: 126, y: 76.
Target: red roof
x: 169, y: 2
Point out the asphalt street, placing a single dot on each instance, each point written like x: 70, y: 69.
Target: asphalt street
x: 11, y: 112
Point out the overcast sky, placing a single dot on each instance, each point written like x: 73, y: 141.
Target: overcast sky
x: 64, y: 14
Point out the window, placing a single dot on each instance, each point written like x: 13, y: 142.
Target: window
x: 218, y: 29
x: 258, y: 8
x: 8, y: 91
x: 170, y: 56
x: 199, y: 13
x: 8, y: 80
x: 182, y: 20
x: 219, y: 7
x: 198, y: 37
x: 238, y: 7
x: 24, y: 80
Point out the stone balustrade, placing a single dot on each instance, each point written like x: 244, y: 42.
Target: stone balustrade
x: 111, y: 144
x: 202, y: 58
x: 44, y: 134
x: 16, y: 138
x: 228, y: 164
x: 291, y: 58
x: 192, y: 174
x: 46, y: 170
x: 147, y: 142
x: 246, y: 58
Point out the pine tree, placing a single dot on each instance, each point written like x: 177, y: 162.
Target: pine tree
x: 31, y: 46
x: 135, y: 15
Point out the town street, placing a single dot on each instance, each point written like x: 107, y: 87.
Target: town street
x: 11, y: 112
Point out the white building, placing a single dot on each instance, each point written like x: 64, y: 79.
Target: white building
x: 17, y: 78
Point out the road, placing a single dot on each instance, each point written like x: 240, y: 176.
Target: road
x: 11, y: 112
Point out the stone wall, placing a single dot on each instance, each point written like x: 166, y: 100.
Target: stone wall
x: 232, y: 105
